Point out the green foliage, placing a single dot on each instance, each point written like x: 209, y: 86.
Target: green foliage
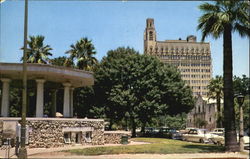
x: 175, y: 121
x: 36, y: 51
x: 15, y: 102
x: 62, y: 61
x: 84, y: 103
x: 215, y: 87
x: 241, y: 85
x: 139, y: 85
x: 215, y: 91
x: 83, y: 52
x: 224, y: 13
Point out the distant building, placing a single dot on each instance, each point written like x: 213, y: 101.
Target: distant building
x: 193, y: 59
x: 203, y: 114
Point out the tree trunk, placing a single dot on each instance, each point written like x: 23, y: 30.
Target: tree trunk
x: 229, y: 112
x: 143, y: 127
x: 219, y: 116
x: 133, y: 127
x: 110, y: 124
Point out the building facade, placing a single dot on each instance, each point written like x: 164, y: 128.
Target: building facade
x: 204, y: 114
x: 192, y: 58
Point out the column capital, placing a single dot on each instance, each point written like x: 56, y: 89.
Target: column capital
x: 40, y: 80
x: 72, y: 88
x: 66, y: 84
x: 5, y: 80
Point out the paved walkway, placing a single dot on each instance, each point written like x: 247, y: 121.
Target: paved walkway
x: 53, y: 153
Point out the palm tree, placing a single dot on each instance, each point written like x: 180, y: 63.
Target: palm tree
x: 83, y: 52
x: 215, y: 91
x: 62, y: 61
x: 36, y: 51
x: 222, y: 18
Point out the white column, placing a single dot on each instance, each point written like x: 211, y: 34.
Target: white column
x: 39, y: 97
x: 66, y: 100
x: 71, y: 102
x: 5, y: 97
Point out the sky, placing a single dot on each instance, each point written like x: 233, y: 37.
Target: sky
x: 109, y: 24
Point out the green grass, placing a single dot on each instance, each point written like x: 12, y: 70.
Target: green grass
x: 156, y: 146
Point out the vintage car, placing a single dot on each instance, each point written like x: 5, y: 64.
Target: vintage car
x: 218, y: 131
x: 220, y: 140
x: 169, y: 133
x: 197, y: 135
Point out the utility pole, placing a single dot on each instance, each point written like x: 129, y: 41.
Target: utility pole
x: 22, y: 151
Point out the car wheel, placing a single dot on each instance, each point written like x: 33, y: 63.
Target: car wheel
x: 219, y: 143
x: 202, y: 141
x: 210, y: 141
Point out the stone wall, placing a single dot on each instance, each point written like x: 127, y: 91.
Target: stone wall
x: 114, y: 137
x: 49, y: 132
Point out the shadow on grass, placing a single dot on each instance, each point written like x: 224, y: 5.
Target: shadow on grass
x: 206, y: 148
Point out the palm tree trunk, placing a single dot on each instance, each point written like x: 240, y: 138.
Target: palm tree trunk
x: 229, y: 112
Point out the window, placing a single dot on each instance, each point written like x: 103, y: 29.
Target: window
x: 88, y: 136
x: 67, y: 136
x: 151, y: 35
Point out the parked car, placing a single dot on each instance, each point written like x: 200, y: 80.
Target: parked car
x: 197, y: 135
x: 169, y: 133
x: 176, y: 135
x: 218, y: 131
x: 148, y: 131
x: 220, y: 140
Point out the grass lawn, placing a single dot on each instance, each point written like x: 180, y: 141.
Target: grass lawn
x: 157, y: 146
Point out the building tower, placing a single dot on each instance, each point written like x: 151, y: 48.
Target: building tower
x: 149, y: 36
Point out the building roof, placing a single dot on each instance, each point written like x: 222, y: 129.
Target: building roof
x: 77, y: 78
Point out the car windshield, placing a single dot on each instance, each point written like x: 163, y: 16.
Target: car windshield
x: 203, y: 131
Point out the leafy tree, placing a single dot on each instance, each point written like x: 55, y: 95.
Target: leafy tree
x: 139, y: 86
x: 62, y: 61
x: 172, y: 121
x: 215, y: 91
x: 222, y: 18
x: 83, y: 51
x: 84, y: 103
x: 241, y: 85
x: 36, y: 51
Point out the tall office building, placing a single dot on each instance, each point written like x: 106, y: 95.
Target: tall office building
x: 192, y: 58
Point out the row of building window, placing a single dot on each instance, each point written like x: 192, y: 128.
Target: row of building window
x: 196, y: 64
x: 193, y: 70
x: 196, y: 76
x: 197, y: 82
x: 184, y: 57
x: 162, y: 50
